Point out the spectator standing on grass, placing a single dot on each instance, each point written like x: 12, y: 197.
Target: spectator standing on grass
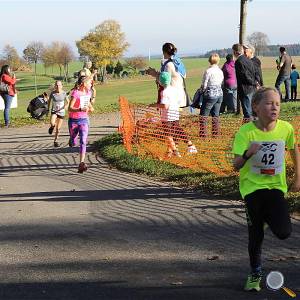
x: 229, y: 86
x: 58, y: 99
x: 284, y: 68
x: 249, y: 52
x: 259, y: 149
x: 9, y: 78
x: 246, y: 79
x: 90, y: 72
x: 212, y: 96
x: 171, y: 63
x: 169, y: 105
x: 86, y: 70
x: 294, y: 77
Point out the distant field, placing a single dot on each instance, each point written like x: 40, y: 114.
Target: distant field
x: 139, y: 89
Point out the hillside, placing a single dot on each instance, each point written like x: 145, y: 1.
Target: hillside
x: 272, y: 50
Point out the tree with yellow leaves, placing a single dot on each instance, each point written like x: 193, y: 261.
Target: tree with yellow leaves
x: 104, y: 44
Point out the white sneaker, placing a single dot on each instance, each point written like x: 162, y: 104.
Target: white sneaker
x: 192, y: 149
x: 176, y: 153
x: 173, y: 153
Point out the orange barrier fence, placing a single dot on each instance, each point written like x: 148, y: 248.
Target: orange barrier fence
x: 147, y: 134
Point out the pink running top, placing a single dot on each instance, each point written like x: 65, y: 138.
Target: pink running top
x: 81, y: 99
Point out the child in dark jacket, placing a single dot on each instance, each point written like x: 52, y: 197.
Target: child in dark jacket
x: 230, y: 86
x: 294, y: 77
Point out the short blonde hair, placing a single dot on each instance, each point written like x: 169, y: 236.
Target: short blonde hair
x: 260, y: 95
x: 214, y: 59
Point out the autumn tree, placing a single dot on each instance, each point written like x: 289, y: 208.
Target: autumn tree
x: 32, y: 54
x: 48, y: 57
x: 58, y: 53
x: 259, y: 40
x: 137, y: 63
x: 104, y: 44
x: 11, y: 57
x: 64, y: 56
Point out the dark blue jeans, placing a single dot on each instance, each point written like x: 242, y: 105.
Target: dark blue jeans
x: 7, y: 104
x: 229, y: 100
x: 287, y: 82
x: 246, y: 102
x: 210, y: 106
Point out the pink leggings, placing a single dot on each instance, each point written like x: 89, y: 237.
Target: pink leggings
x: 81, y: 127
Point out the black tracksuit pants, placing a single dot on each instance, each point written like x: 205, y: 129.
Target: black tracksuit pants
x: 265, y: 206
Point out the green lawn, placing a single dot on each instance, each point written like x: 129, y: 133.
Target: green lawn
x: 140, y: 89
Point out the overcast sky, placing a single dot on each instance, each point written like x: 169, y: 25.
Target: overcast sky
x: 193, y: 26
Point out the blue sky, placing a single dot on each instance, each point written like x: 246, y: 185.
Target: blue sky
x: 193, y: 26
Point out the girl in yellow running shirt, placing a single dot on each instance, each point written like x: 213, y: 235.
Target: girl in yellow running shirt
x: 259, y: 149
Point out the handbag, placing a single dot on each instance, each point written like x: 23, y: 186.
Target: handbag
x: 4, y: 88
x: 197, y: 99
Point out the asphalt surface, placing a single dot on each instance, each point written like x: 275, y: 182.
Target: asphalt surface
x: 107, y: 234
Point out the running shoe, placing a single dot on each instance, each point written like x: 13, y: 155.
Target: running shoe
x: 71, y: 144
x: 253, y: 282
x: 176, y: 153
x: 192, y: 149
x: 171, y: 154
x: 82, y: 167
x: 56, y: 144
x: 50, y: 130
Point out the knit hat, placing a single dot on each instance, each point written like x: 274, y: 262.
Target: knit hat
x: 164, y: 78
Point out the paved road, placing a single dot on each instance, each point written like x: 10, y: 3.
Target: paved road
x: 106, y: 234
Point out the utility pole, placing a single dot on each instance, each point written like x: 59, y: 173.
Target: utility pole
x: 243, y: 17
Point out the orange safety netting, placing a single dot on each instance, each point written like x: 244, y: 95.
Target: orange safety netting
x: 146, y: 134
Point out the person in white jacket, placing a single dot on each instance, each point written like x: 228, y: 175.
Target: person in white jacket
x: 212, y: 96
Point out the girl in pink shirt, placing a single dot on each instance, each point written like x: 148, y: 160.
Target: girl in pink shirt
x: 79, y: 107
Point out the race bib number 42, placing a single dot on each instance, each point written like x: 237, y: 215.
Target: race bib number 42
x: 269, y: 160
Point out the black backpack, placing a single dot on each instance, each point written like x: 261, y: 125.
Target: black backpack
x: 38, y: 107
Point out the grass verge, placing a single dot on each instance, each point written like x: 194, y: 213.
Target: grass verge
x: 112, y: 150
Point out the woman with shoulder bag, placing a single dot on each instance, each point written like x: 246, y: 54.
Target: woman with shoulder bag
x: 172, y: 64
x: 212, y: 96
x: 8, y: 78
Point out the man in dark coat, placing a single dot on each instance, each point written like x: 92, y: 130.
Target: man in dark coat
x: 247, y: 79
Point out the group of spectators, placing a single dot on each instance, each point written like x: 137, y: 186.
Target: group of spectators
x: 287, y: 75
x: 232, y: 87
x: 227, y: 89
x: 241, y: 75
